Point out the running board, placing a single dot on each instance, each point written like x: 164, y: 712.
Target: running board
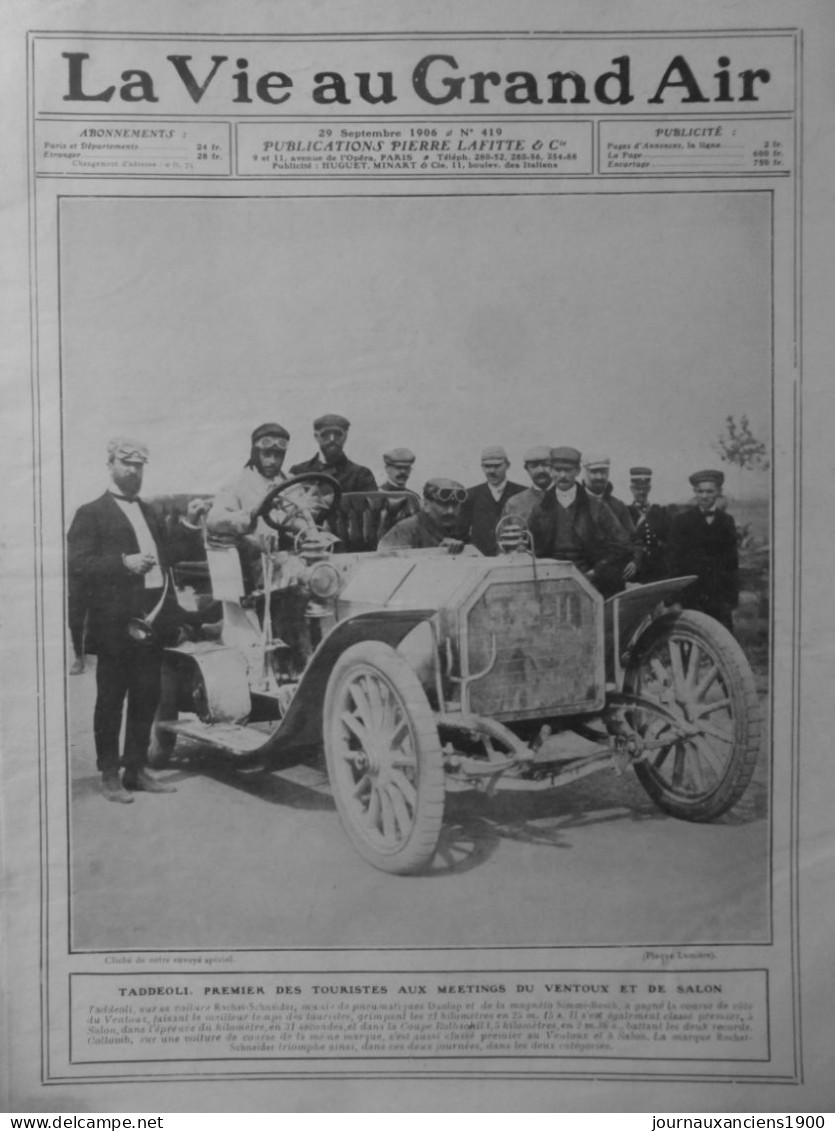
x: 233, y: 738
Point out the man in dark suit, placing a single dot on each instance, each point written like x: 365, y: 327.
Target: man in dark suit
x: 399, y: 464
x: 331, y: 432
x: 652, y: 525
x: 77, y: 622
x: 571, y: 524
x: 117, y: 547
x: 703, y: 541
x: 596, y: 480
x: 484, y: 505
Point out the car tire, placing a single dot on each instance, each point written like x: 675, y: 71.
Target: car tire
x: 694, y: 668
x: 384, y: 758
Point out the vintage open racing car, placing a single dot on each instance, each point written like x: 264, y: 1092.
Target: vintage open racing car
x: 421, y: 672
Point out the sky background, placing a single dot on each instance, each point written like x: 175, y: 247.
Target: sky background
x: 623, y: 324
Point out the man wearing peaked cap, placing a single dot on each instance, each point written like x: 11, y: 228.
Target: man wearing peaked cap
x: 703, y: 542
x: 331, y: 432
x: 235, y: 507
x: 709, y: 476
x: 652, y: 525
x: 486, y: 501
x: 537, y: 461
x: 118, y: 547
x: 398, y: 463
x: 435, y: 524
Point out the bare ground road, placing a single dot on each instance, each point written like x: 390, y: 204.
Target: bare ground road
x: 234, y: 861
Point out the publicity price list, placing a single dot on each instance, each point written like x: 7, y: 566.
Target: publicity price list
x: 695, y: 147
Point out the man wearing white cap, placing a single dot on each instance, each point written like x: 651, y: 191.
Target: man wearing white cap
x: 485, y: 502
x: 596, y: 470
x: 118, y: 546
x: 537, y: 463
x: 596, y: 476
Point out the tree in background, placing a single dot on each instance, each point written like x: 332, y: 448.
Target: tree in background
x: 739, y: 446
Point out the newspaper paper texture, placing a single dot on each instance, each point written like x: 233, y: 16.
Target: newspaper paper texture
x: 474, y: 230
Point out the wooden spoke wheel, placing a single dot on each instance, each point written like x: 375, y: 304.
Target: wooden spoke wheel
x: 695, y: 670
x: 384, y: 758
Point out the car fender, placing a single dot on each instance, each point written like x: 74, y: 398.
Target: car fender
x: 627, y: 615
x: 302, y: 723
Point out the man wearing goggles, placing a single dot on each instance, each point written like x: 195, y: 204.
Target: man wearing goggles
x: 235, y: 507
x: 331, y: 432
x: 435, y: 524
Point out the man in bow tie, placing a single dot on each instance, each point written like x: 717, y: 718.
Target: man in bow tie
x: 703, y: 542
x: 118, y: 546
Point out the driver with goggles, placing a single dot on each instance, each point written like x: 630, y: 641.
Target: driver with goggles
x: 436, y: 523
x: 235, y: 508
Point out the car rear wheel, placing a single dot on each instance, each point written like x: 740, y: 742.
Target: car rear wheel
x: 700, y: 678
x: 384, y: 758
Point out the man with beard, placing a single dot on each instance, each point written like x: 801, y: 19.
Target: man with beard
x: 652, y: 525
x: 597, y: 483
x: 118, y: 550
x: 398, y: 463
x: 703, y: 542
x: 331, y: 432
x: 571, y: 524
x: 596, y: 478
x: 486, y: 501
x: 235, y: 507
x: 537, y: 463
x: 435, y: 524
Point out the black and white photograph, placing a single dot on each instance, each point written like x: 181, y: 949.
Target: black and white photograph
x: 427, y: 689
x: 416, y: 633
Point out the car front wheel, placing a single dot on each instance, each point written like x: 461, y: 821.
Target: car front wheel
x: 706, y: 732
x: 384, y: 758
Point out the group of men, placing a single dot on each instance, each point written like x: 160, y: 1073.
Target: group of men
x: 120, y: 553
x: 573, y: 517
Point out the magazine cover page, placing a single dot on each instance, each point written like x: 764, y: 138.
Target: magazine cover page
x: 416, y: 620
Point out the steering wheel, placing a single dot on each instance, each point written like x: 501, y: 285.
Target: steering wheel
x: 512, y: 534
x: 304, y: 496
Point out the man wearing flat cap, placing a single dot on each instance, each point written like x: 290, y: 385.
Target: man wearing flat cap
x: 436, y: 523
x: 571, y: 524
x: 331, y: 432
x: 236, y: 504
x: 537, y: 463
x: 652, y: 525
x: 486, y: 501
x: 399, y: 463
x: 703, y: 542
x: 118, y: 547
